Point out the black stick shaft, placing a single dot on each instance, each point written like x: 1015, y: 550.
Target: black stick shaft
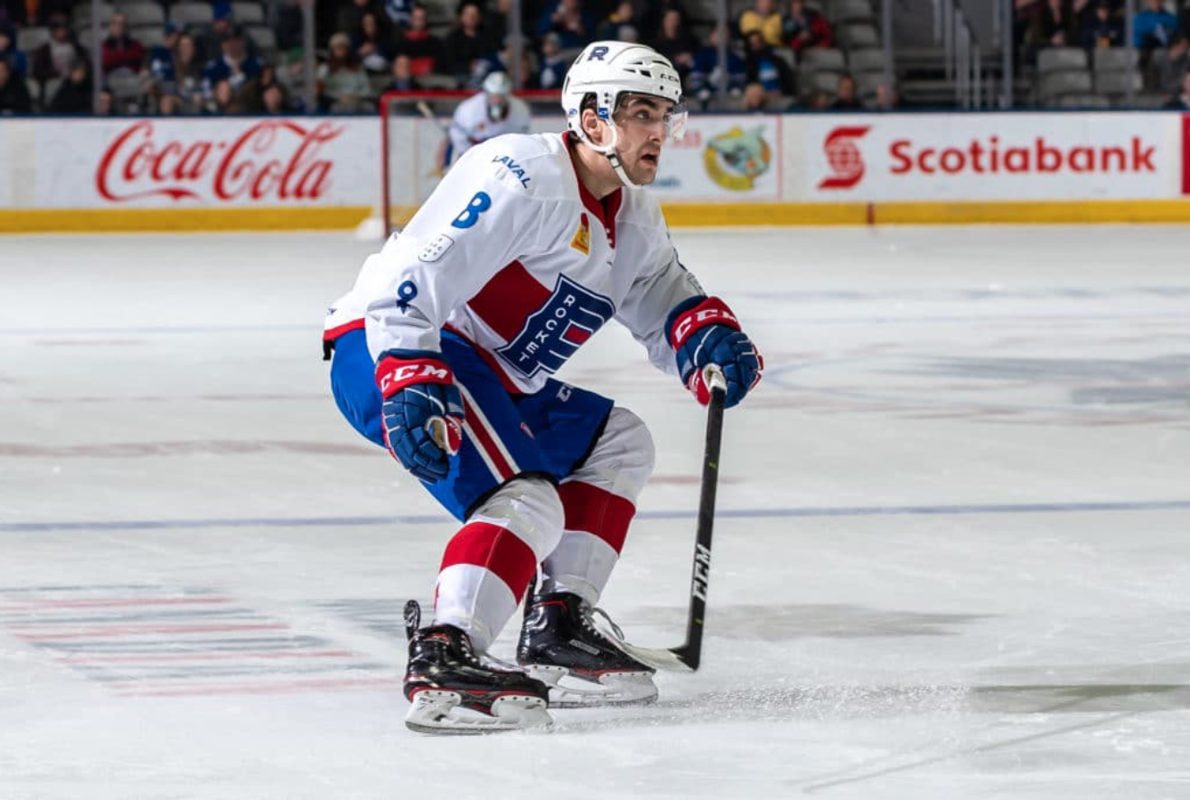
x: 691, y: 652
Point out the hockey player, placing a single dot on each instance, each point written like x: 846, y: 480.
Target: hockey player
x: 445, y: 352
x: 486, y: 114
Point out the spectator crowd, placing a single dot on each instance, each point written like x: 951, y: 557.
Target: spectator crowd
x: 1160, y: 35
x: 218, y: 61
x: 186, y: 57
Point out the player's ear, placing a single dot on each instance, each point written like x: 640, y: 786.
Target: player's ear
x: 592, y: 126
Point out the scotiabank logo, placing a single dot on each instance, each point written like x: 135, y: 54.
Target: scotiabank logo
x: 843, y: 157
x: 271, y: 160
x: 989, y: 156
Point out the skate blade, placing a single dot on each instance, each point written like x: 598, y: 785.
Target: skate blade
x: 572, y: 690
x: 442, y: 712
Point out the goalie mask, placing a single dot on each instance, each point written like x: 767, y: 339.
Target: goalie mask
x: 610, y: 70
x: 497, y: 87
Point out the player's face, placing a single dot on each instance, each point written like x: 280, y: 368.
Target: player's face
x: 642, y: 124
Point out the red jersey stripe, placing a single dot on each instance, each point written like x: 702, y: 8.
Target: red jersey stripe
x: 484, y: 439
x: 331, y: 334
x: 494, y: 548
x: 508, y: 298
x: 597, y: 511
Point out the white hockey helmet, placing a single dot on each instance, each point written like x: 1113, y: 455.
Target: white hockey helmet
x: 497, y: 83
x: 497, y: 87
x: 610, y: 69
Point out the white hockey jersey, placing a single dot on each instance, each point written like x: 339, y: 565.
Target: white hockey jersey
x: 513, y: 253
x: 470, y: 124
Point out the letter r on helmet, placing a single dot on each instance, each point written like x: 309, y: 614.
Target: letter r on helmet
x: 597, y: 54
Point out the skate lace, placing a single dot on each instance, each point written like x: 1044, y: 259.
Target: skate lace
x: 468, y: 652
x: 588, y: 615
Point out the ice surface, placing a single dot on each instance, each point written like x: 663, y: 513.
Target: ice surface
x: 952, y: 558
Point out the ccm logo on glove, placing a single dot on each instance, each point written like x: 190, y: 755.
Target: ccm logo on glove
x: 393, y: 375
x: 711, y: 311
x: 422, y: 414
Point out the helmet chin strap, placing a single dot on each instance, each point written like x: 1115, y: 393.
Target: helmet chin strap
x: 609, y: 150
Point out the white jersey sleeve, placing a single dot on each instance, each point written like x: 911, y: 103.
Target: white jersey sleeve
x: 470, y: 123
x: 661, y: 284
x: 469, y: 117
x: 478, y: 220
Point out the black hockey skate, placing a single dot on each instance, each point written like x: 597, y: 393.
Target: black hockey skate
x: 455, y: 691
x: 561, y: 646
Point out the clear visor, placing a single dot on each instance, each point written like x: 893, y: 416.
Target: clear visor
x: 675, y: 121
x: 634, y: 111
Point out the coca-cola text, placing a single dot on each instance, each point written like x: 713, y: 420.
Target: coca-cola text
x: 273, y: 160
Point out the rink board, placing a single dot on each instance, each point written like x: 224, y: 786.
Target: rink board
x: 250, y: 173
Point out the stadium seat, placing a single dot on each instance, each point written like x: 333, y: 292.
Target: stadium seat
x: 1150, y: 100
x: 1088, y: 101
x: 143, y: 14
x: 127, y: 87
x: 263, y: 37
x: 81, y: 15
x: 823, y: 59
x: 189, y: 13
x: 440, y: 12
x: 29, y: 39
x: 1109, y: 59
x: 150, y: 35
x: 866, y: 83
x: 869, y: 59
x: 247, y: 13
x: 1055, y: 84
x: 853, y: 11
x: 855, y: 36
x: 1114, y: 85
x: 1056, y: 59
x: 822, y: 82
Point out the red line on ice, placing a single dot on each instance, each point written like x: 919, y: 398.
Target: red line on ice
x: 142, y: 630
x: 112, y: 602
x: 204, y: 656
x: 263, y: 688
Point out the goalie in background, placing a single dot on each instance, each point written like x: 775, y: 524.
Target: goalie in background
x: 484, y: 115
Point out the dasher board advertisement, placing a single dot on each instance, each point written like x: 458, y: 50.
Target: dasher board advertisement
x: 190, y: 163
x: 922, y: 157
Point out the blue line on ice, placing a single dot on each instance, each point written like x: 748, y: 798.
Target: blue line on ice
x: 737, y: 513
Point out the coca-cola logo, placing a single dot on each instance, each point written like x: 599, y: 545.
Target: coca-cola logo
x: 271, y: 159
x: 843, y: 157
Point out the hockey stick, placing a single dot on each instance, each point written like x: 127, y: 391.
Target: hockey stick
x: 686, y: 657
x: 428, y: 113
x: 445, y: 146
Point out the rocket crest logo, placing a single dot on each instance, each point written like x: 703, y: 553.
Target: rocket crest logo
x: 582, y: 237
x: 843, y: 157
x: 553, y: 333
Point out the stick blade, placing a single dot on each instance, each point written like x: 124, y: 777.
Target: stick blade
x: 671, y: 660
x: 657, y: 658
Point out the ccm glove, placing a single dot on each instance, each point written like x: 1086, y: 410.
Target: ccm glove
x: 422, y: 411
x: 703, y: 331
